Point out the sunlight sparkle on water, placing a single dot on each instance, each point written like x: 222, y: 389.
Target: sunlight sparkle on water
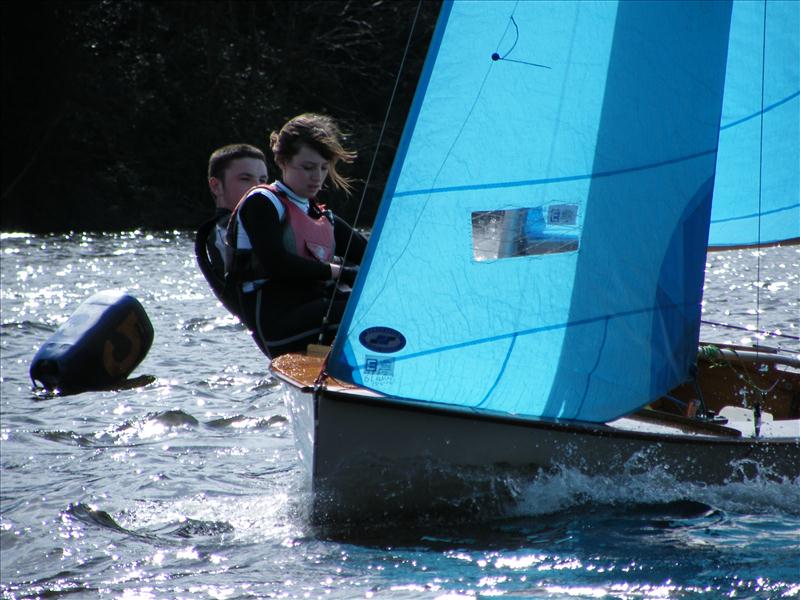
x: 519, y: 562
x: 583, y: 592
x: 145, y: 593
x: 216, y: 510
x: 190, y: 553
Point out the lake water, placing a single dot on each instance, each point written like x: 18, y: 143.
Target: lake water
x: 189, y: 487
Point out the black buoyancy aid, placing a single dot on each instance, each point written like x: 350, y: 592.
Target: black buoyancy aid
x: 210, y: 249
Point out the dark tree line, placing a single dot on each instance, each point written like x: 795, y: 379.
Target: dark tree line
x: 110, y: 108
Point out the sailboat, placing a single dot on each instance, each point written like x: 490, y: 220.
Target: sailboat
x: 530, y: 299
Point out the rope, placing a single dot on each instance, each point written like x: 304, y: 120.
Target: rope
x: 761, y: 166
x: 714, y: 355
x: 740, y: 328
x: 374, y: 159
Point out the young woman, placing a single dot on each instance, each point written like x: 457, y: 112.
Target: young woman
x: 288, y: 249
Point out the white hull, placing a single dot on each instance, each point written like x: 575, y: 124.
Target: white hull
x: 367, y: 456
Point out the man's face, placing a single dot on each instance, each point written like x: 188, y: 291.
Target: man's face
x: 240, y: 176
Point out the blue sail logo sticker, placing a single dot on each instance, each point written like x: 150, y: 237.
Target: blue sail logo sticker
x: 382, y: 339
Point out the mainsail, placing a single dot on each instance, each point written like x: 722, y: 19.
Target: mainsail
x: 757, y: 189
x: 540, y: 245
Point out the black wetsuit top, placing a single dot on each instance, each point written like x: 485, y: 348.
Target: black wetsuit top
x: 210, y: 260
x: 286, y: 312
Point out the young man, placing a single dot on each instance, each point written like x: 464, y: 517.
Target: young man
x: 232, y: 170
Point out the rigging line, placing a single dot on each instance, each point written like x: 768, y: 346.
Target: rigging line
x: 456, y: 138
x: 761, y: 165
x: 444, y: 161
x: 375, y: 154
x: 496, y: 55
x: 740, y: 328
x: 418, y: 220
x: 502, y: 37
x: 523, y: 62
x: 516, y: 38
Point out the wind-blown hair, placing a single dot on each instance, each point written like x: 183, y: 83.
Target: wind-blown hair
x: 318, y: 132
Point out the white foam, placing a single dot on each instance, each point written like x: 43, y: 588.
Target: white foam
x: 567, y: 488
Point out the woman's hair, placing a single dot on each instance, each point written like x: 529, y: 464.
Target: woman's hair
x: 318, y: 132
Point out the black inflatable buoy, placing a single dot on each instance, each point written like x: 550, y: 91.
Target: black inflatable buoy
x: 97, y: 348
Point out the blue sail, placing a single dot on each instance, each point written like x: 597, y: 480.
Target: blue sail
x: 540, y: 245
x: 757, y: 190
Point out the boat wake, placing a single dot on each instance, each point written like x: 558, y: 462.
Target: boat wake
x: 758, y: 493
x: 555, y: 509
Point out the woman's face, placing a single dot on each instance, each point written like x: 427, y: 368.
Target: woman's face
x: 305, y: 172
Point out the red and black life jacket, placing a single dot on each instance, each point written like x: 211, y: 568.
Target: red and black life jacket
x: 302, y: 234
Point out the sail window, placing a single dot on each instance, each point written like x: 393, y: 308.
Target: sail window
x: 548, y: 229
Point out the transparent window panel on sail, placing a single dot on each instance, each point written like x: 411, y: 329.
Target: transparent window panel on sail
x: 548, y: 229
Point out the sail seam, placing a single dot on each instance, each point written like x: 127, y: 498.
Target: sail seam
x: 591, y: 372
x: 542, y: 329
x: 761, y: 112
x: 758, y: 214
x: 500, y: 373
x: 522, y: 183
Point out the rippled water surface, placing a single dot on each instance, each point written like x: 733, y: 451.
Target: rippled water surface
x: 189, y: 487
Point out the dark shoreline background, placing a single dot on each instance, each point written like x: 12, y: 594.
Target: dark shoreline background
x: 110, y: 108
